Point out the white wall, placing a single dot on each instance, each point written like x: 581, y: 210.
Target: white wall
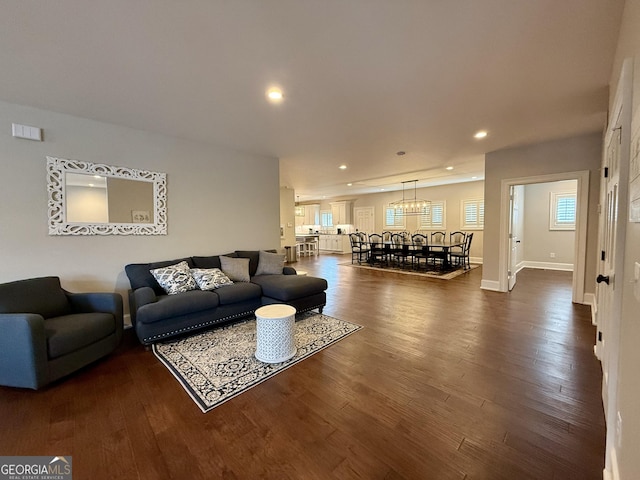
x: 219, y: 200
x: 560, y: 156
x: 629, y: 354
x: 287, y: 217
x: 538, y: 240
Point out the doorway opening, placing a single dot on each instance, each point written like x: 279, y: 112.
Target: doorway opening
x: 580, y: 240
x: 542, y: 227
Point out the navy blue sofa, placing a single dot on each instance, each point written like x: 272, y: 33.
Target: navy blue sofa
x: 157, y: 316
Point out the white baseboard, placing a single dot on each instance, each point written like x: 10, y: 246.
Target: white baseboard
x: 490, y: 285
x: 590, y: 299
x: 475, y: 260
x: 565, y: 267
x: 614, y: 473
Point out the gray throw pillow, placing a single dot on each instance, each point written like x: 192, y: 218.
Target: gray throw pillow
x: 175, y: 278
x: 210, y: 278
x: 270, y: 263
x: 237, y: 269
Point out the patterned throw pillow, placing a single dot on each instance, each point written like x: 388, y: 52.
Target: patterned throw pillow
x: 237, y: 269
x: 175, y: 278
x: 210, y: 278
x: 270, y: 263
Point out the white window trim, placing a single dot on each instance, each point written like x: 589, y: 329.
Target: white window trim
x: 553, y: 206
x: 463, y: 216
x: 430, y: 226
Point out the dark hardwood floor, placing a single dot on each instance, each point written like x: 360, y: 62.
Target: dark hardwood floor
x: 446, y: 381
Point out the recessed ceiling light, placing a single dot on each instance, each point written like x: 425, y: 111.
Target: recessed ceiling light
x: 275, y: 95
x: 349, y: 184
x: 449, y: 168
x: 473, y: 178
x: 400, y: 153
x: 480, y: 134
x: 342, y: 167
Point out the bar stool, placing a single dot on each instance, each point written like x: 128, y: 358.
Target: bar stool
x: 311, y: 247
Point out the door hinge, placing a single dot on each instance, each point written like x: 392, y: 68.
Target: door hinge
x: 508, y: 273
x: 603, y: 255
x: 606, y: 172
x: 619, y: 136
x: 599, y: 336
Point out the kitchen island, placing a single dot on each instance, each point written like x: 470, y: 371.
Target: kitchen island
x: 335, y: 243
x: 307, y: 244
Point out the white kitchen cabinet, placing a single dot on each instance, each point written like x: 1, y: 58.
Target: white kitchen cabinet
x: 312, y: 214
x: 335, y: 243
x: 341, y: 212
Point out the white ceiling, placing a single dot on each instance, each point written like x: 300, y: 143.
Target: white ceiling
x: 362, y: 79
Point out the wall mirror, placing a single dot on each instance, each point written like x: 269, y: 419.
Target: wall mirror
x: 95, y: 199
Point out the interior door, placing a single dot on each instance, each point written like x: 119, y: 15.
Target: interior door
x: 606, y: 280
x: 514, y: 241
x: 364, y: 219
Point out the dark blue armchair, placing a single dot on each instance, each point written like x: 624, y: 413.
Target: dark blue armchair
x: 47, y: 333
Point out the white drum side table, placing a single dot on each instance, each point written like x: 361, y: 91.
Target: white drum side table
x: 275, y: 336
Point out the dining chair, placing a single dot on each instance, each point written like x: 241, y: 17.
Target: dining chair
x: 400, y: 249
x: 420, y: 249
x: 463, y: 258
x: 457, y: 237
x: 359, y: 249
x: 437, y: 254
x: 438, y: 237
x: 376, y: 249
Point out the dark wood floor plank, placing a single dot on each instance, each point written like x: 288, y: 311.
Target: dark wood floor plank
x: 445, y: 381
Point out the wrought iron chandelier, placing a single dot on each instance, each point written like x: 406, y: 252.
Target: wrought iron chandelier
x: 410, y: 205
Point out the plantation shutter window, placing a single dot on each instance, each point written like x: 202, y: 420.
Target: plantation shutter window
x: 326, y: 218
x: 472, y: 214
x: 393, y: 218
x: 432, y: 216
x: 562, y: 215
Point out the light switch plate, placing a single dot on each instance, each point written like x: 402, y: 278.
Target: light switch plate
x: 25, y: 131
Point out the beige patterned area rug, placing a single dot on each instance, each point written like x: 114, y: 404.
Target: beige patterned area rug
x: 406, y: 271
x: 217, y: 365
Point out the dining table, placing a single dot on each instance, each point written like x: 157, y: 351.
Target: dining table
x: 408, y: 247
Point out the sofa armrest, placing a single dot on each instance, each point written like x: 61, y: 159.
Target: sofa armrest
x: 289, y: 271
x: 138, y: 298
x: 23, y: 350
x: 103, y: 302
x: 144, y: 296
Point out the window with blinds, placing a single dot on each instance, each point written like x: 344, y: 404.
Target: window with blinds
x: 393, y: 218
x: 432, y: 216
x: 326, y: 218
x: 562, y: 214
x: 473, y: 214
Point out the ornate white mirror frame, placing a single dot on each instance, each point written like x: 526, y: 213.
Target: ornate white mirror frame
x: 57, y: 168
